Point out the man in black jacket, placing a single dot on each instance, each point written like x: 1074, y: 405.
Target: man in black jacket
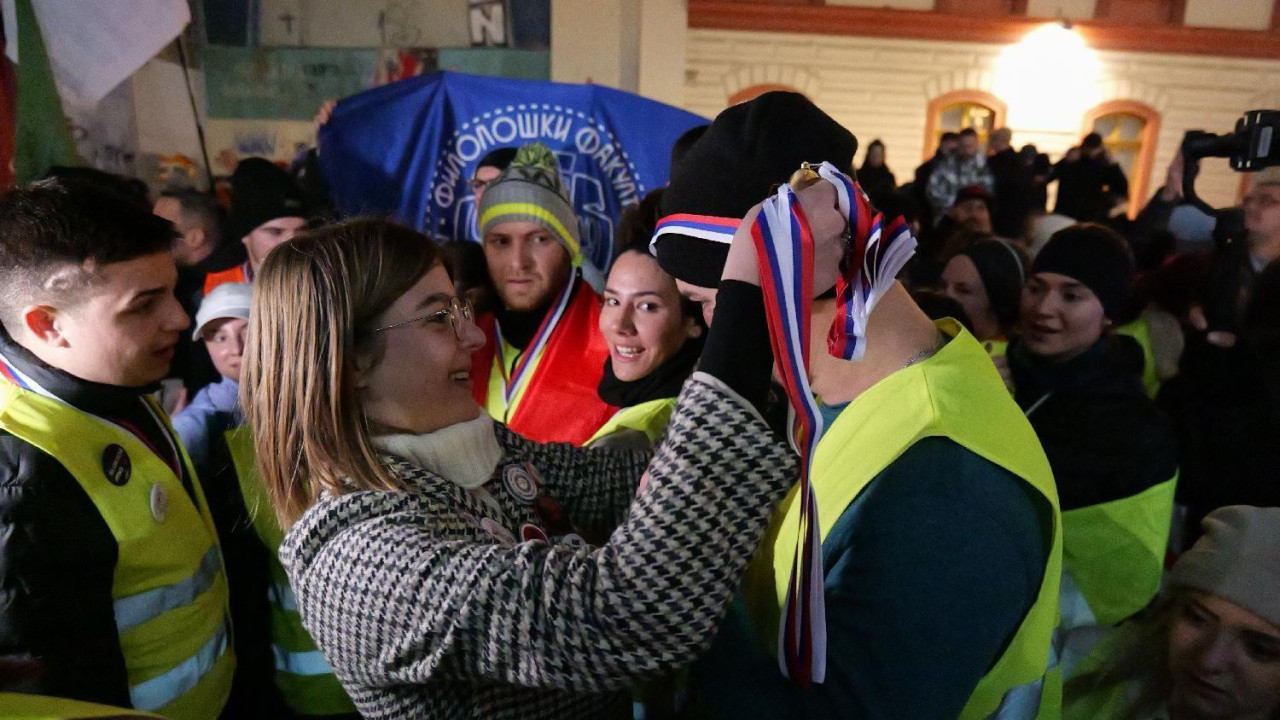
x: 111, y: 580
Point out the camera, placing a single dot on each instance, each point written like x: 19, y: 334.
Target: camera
x: 1254, y: 145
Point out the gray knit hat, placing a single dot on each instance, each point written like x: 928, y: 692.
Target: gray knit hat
x: 530, y: 190
x: 1237, y: 559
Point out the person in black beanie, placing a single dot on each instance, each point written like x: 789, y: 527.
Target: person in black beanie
x: 892, y: 593
x: 267, y: 209
x: 746, y: 152
x: 986, y: 279
x: 1113, y: 455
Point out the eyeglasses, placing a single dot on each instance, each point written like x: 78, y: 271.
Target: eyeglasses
x: 457, y: 312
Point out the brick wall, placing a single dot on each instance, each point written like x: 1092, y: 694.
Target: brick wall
x: 881, y: 88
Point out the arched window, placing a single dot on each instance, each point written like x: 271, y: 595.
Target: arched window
x: 754, y: 91
x: 962, y: 109
x: 1129, y: 130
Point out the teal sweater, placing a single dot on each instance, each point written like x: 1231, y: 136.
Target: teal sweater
x: 928, y: 574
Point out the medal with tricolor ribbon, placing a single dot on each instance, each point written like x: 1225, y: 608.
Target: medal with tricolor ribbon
x: 784, y: 249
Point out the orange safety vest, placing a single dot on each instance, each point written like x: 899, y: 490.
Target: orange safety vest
x: 560, y: 402
x: 237, y: 274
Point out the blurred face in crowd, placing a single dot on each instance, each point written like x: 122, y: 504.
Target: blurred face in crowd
x: 972, y: 214
x: 224, y: 339
x: 641, y: 316
x: 968, y: 146
x: 528, y: 265
x: 1061, y: 318
x: 189, y: 247
x: 948, y: 146
x: 1224, y: 661
x: 264, y: 238
x: 962, y: 283
x: 875, y: 155
x: 705, y: 297
x: 1262, y: 215
x: 419, y: 378
x: 485, y: 174
x: 121, y: 332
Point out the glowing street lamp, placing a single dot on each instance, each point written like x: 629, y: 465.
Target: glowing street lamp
x: 1048, y: 79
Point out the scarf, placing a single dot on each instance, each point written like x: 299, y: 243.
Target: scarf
x: 663, y: 382
x: 465, y: 453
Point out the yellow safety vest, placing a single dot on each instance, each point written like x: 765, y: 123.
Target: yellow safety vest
x: 1140, y: 330
x: 955, y: 394
x: 1113, y: 556
x: 169, y: 586
x: 16, y: 706
x: 303, y: 675
x: 650, y: 417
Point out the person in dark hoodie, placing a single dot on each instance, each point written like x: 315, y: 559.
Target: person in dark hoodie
x: 1112, y: 454
x: 875, y: 176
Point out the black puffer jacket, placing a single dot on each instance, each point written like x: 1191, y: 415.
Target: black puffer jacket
x: 1105, y: 439
x: 57, y: 555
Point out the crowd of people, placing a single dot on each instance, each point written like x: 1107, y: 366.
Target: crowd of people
x: 268, y: 462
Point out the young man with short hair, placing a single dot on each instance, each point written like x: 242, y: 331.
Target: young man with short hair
x: 109, y: 561
x: 543, y: 357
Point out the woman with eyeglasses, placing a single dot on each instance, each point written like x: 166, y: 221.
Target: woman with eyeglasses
x: 433, y: 552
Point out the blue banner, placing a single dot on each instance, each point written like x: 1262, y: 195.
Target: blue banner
x: 408, y: 149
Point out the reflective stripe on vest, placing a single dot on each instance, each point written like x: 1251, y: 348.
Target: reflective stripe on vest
x: 138, y: 609
x: 650, y: 417
x: 161, y: 690
x: 959, y: 395
x: 311, y: 662
x: 168, y: 585
x: 305, y: 679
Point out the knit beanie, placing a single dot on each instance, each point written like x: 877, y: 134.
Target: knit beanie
x: 261, y: 191
x: 1236, y: 559
x: 1003, y: 274
x: 749, y: 149
x: 1094, y: 256
x: 530, y: 190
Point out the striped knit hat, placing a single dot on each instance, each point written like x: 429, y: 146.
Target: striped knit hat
x: 530, y: 190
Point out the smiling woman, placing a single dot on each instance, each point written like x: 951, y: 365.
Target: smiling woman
x: 655, y: 338
x: 436, y: 555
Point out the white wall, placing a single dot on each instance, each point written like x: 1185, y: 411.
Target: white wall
x: 881, y: 88
x: 633, y: 45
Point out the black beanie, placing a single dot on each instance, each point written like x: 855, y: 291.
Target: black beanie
x: 1003, y: 274
x: 1095, y: 256
x: 749, y: 149
x: 261, y: 191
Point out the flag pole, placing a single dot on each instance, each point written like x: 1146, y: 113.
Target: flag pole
x: 195, y: 113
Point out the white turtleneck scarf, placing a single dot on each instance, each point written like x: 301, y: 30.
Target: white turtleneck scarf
x: 464, y: 453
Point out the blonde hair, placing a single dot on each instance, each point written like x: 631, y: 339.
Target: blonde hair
x: 310, y: 335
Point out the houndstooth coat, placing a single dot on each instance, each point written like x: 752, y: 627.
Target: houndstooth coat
x: 428, y: 606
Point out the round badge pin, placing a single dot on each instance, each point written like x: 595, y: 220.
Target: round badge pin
x: 159, y: 502
x: 531, y: 532
x: 116, y: 465
x: 502, y: 535
x: 574, y: 540
x: 519, y: 483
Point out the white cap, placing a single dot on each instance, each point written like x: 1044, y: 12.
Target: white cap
x: 228, y: 300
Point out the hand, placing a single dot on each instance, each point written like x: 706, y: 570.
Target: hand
x: 741, y: 263
x: 325, y: 113
x: 1196, y: 318
x: 829, y: 227
x: 1172, y: 189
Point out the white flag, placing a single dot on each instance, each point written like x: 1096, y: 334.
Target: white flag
x: 94, y: 45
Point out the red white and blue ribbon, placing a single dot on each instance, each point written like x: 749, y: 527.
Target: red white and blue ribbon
x: 703, y: 227
x: 511, y: 384
x: 784, y: 248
